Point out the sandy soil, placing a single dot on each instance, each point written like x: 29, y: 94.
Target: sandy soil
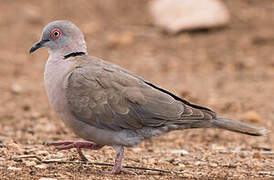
x: 230, y: 70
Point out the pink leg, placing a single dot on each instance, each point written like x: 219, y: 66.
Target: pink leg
x: 117, y: 168
x: 61, y: 145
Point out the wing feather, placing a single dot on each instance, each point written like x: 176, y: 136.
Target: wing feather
x: 108, y: 97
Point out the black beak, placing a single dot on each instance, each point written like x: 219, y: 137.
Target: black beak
x: 38, y: 45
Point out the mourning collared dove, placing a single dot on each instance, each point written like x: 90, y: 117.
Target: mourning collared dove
x: 107, y: 105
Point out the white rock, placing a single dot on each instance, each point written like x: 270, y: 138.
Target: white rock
x: 14, y: 168
x: 45, y: 178
x: 42, y: 152
x: 180, y: 151
x: 16, y: 88
x: 216, y: 147
x: 213, y: 165
x: 41, y: 166
x: 178, y: 15
x: 197, y: 163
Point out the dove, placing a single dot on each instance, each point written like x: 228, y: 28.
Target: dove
x: 109, y: 106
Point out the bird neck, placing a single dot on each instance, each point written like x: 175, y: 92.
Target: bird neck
x: 69, y: 50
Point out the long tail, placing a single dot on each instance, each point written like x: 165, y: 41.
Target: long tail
x: 239, y: 127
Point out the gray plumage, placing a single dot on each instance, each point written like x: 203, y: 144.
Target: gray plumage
x: 108, y: 97
x: 105, y: 104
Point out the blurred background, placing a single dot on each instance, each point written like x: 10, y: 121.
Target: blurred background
x: 229, y: 69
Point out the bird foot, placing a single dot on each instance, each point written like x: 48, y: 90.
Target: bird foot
x: 62, y: 145
x: 117, y: 168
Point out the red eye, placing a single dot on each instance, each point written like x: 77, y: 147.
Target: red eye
x: 55, y: 33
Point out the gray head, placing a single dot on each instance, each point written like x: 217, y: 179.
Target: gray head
x: 61, y: 38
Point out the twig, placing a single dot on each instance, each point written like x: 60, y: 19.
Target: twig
x: 60, y: 161
x: 248, y: 152
x: 27, y: 156
x: 108, y: 164
x: 267, y: 152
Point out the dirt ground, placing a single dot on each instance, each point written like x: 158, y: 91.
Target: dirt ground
x: 230, y: 70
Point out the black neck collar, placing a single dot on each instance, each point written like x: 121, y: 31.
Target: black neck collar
x: 74, y: 54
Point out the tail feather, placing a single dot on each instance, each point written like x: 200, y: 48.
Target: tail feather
x: 237, y: 126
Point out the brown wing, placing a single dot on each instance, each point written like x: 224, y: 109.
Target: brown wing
x: 108, y: 97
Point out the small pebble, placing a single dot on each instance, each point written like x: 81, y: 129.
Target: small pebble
x: 26, y: 107
x: 42, y: 152
x: 180, y: 151
x: 35, y: 115
x: 197, y: 163
x: 225, y: 152
x: 14, y: 147
x: 244, y: 154
x: 30, y: 163
x: 14, y: 168
x: 45, y: 178
x: 216, y: 147
x: 257, y: 155
x: 213, y: 165
x: 16, y: 89
x: 251, y: 116
x: 41, y: 166
x: 58, y: 155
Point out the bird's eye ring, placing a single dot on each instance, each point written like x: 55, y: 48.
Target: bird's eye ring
x: 55, y: 33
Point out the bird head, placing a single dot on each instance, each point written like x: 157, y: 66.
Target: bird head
x: 61, y: 37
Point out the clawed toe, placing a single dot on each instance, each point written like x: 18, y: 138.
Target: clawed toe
x: 62, y: 145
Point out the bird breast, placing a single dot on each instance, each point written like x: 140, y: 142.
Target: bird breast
x: 54, y: 76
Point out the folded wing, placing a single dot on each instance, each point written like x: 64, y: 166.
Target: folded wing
x: 108, y: 97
